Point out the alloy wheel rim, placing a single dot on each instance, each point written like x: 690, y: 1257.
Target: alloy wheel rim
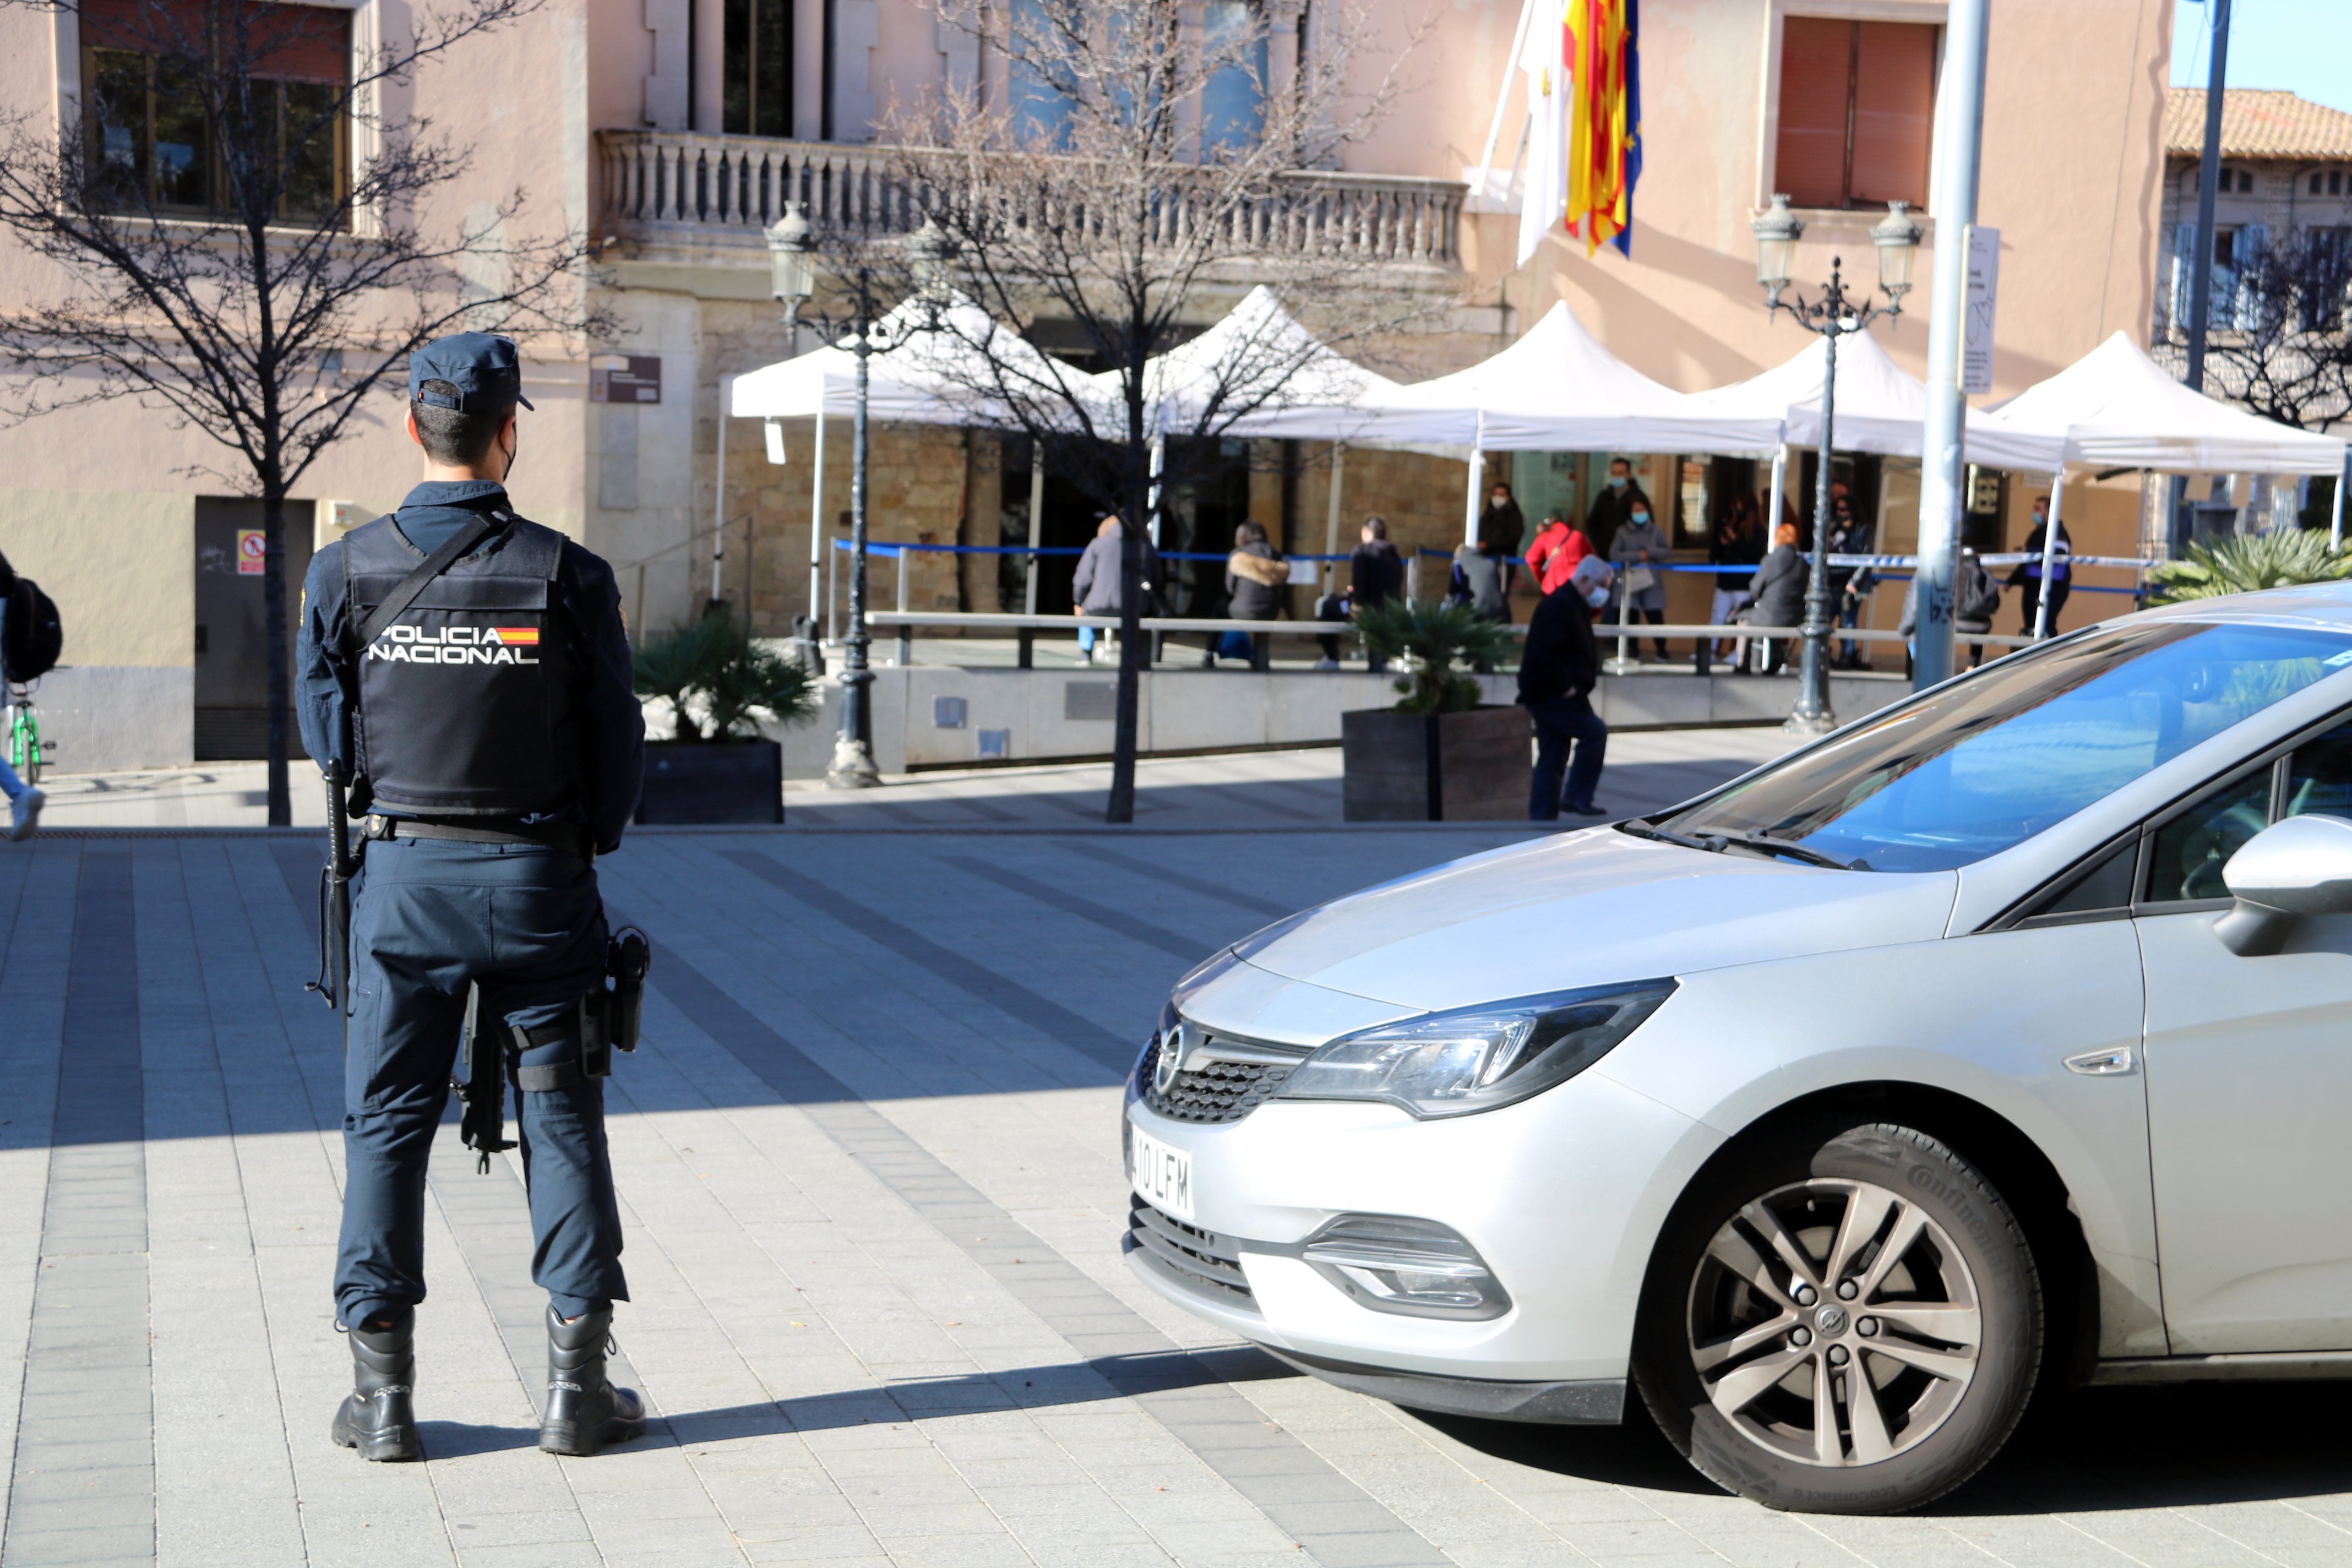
x: 1833, y: 1323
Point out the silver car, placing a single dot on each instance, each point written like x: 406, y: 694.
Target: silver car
x: 2001, y: 1039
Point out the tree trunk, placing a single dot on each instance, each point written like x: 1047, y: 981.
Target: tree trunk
x: 273, y: 611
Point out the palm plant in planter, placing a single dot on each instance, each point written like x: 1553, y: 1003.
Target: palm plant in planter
x: 720, y: 683
x: 2247, y: 564
x: 1437, y: 755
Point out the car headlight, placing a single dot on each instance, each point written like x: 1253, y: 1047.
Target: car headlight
x: 1453, y: 1064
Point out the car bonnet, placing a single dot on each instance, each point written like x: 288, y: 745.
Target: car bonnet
x: 1589, y: 909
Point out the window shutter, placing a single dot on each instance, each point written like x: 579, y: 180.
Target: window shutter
x: 1809, y: 161
x: 2184, y: 249
x: 1893, y: 113
x: 2254, y: 241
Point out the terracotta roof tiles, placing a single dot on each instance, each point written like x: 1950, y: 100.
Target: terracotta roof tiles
x: 2257, y: 123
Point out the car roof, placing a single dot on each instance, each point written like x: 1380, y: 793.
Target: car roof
x: 2328, y: 604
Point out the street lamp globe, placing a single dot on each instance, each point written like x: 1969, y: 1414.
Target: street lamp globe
x: 1897, y: 240
x: 792, y: 265
x: 1777, y: 233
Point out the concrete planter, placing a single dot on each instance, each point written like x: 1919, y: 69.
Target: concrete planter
x: 723, y: 781
x: 1477, y: 767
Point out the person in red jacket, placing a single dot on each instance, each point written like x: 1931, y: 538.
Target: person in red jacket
x: 1558, y: 550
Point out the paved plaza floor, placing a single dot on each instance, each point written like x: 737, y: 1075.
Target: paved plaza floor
x: 868, y: 1162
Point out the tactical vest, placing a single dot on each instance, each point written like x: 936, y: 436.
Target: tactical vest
x: 465, y: 701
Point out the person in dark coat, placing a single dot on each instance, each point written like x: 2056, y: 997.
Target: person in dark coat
x: 1376, y: 575
x: 1849, y: 586
x: 1558, y: 672
x: 1094, y: 591
x: 1502, y: 524
x: 1614, y: 504
x: 1779, y: 590
x: 1256, y: 577
x: 2027, y: 574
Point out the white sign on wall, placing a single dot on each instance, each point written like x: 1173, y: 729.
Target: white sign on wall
x: 1984, y: 286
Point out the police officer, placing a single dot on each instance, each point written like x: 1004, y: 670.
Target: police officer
x: 494, y: 744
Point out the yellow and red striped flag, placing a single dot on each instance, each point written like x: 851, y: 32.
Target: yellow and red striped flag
x: 1600, y: 46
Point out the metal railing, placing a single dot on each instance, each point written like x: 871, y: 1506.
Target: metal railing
x: 674, y: 186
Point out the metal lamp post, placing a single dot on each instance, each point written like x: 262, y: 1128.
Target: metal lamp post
x: 1896, y: 239
x: 790, y: 247
x: 793, y: 281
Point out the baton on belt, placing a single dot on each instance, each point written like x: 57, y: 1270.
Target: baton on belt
x: 335, y: 903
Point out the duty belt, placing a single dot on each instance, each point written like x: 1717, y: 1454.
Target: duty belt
x: 563, y: 836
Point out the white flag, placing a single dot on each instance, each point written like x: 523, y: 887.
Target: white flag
x: 1544, y: 61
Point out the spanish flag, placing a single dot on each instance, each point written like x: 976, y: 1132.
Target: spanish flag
x: 517, y: 637
x: 1604, y: 122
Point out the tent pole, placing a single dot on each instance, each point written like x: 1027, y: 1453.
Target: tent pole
x: 2335, y: 514
x: 816, y: 519
x: 1036, y: 524
x: 718, y: 494
x: 1159, y: 467
x: 1331, y: 515
x: 1780, y: 491
x: 2049, y: 556
x: 1477, y: 482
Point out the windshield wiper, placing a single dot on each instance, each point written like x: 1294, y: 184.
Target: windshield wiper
x: 1715, y: 841
x: 1768, y: 845
x: 1640, y: 829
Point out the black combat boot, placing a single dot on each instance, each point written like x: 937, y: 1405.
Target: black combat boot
x: 379, y: 1419
x: 584, y: 1411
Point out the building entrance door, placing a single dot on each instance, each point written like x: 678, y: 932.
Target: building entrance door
x: 232, y: 642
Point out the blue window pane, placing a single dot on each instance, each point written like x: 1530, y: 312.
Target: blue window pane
x: 2021, y: 745
x: 1041, y: 109
x: 1232, y: 101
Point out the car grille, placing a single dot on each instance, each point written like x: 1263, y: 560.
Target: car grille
x: 1200, y: 1258
x: 1213, y: 1092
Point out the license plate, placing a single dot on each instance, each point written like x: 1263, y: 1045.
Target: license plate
x: 1163, y: 1175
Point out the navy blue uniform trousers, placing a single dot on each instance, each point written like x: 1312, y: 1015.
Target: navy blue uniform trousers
x: 428, y: 917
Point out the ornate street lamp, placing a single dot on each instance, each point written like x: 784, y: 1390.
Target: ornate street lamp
x: 791, y: 248
x: 1896, y: 239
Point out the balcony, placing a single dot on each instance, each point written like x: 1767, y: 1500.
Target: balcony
x: 679, y: 197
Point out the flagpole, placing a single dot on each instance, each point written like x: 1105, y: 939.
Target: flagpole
x: 1503, y: 97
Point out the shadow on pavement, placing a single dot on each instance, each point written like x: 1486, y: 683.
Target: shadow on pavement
x: 2087, y: 1451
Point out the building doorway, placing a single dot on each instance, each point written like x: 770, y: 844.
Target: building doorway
x: 232, y: 654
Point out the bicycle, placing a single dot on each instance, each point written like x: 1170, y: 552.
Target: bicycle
x: 24, y: 746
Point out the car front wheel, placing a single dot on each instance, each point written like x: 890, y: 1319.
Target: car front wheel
x: 1845, y: 1321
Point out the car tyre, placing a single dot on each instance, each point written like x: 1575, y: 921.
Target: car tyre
x: 1846, y: 1319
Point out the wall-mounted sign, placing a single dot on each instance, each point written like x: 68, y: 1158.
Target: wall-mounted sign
x: 1984, y: 292
x: 252, y: 548
x: 625, y: 378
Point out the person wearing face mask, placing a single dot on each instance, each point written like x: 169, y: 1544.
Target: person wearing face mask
x: 1779, y: 588
x: 1501, y: 525
x: 2027, y: 574
x: 1611, y: 507
x: 1849, y: 587
x: 1639, y: 552
x: 1558, y: 672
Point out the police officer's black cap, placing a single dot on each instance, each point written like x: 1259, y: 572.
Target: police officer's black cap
x: 484, y: 368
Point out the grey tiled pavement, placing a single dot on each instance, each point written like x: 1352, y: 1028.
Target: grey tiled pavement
x: 869, y: 1160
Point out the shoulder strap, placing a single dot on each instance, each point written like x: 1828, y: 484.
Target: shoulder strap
x: 478, y: 528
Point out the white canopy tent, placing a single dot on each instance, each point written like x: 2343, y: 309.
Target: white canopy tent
x: 929, y: 377
x: 1558, y: 390
x: 1259, y: 353
x: 2116, y: 408
x: 1881, y: 407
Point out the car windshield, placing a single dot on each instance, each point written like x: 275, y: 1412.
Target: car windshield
x: 1990, y: 760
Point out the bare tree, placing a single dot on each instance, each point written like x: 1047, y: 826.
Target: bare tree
x: 237, y: 233
x: 1129, y: 179
x: 2280, y: 341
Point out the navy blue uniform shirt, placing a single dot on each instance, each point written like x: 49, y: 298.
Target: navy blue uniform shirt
x: 612, y: 726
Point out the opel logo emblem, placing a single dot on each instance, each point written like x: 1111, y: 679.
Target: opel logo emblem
x: 1170, y: 1060
x: 1831, y: 1322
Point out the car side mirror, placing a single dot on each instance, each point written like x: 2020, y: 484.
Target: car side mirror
x: 2290, y: 870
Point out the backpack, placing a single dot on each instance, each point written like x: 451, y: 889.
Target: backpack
x: 32, y: 635
x: 1979, y: 595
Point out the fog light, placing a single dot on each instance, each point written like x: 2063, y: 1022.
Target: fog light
x: 1413, y: 1267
